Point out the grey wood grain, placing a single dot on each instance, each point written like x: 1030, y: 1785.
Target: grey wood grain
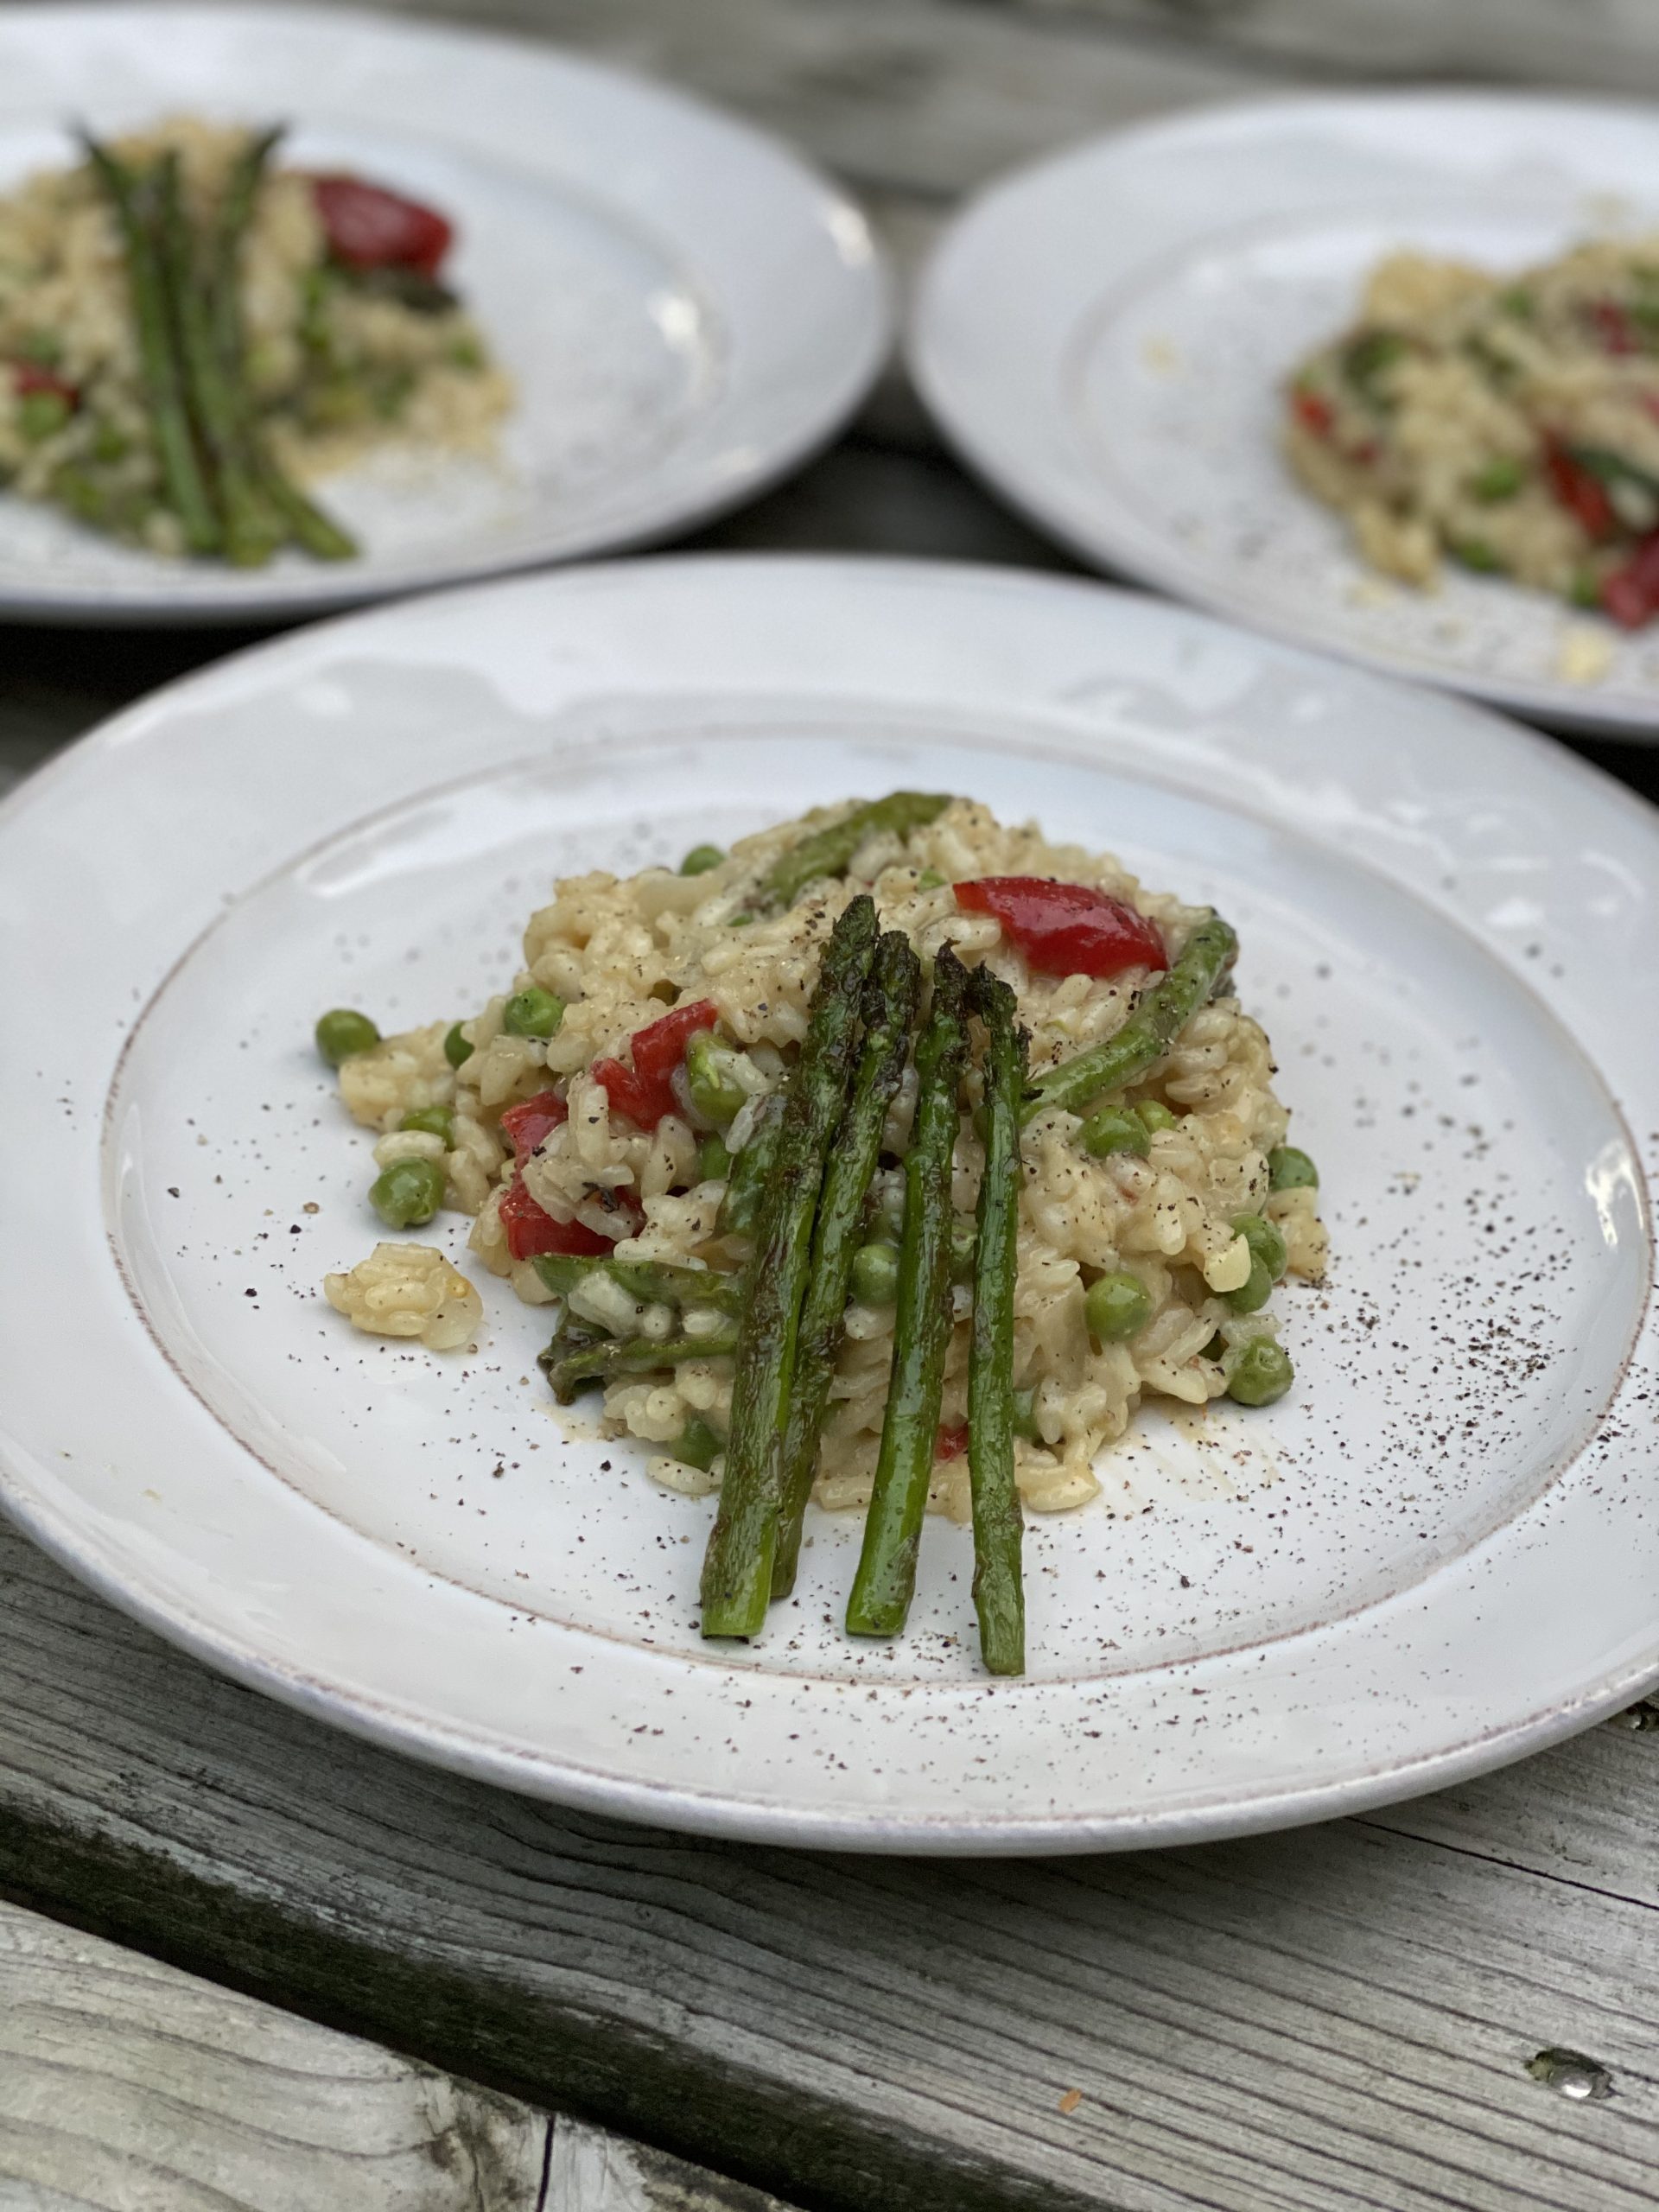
x: 125, y: 2083
x: 1610, y: 45
x: 937, y: 96
x: 1337, y: 2018
x: 126, y: 2086
x: 931, y: 96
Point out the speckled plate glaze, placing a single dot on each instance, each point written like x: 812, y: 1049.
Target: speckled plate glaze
x: 1106, y: 336
x: 685, y: 308
x: 1439, y: 1552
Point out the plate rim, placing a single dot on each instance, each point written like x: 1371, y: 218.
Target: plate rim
x: 707, y: 1810
x: 869, y: 349
x: 975, y: 435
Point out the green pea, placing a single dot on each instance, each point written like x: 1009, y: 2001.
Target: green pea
x: 1265, y: 1241
x: 1115, y: 1129
x: 1476, y: 554
x: 436, y: 1121
x: 1291, y: 1170
x: 714, y: 1160
x: 1259, y: 1372
x: 700, y: 859
x: 965, y: 1243
x: 697, y: 1445
x: 534, y: 1013
x: 1024, y: 1414
x: 41, y: 415
x: 111, y: 443
x: 1252, y: 1295
x: 456, y: 1050
x: 929, y: 880
x: 341, y: 1032
x: 1518, y: 301
x: 1156, y: 1115
x: 1499, y: 480
x: 711, y: 1080
x: 875, y: 1275
x: 1115, y: 1308
x: 1585, y: 590
x: 408, y: 1193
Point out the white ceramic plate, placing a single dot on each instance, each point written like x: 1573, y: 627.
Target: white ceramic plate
x: 687, y: 310
x: 1106, y: 335
x: 1439, y: 1552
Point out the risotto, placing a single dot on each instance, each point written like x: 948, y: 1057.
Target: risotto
x: 189, y: 334
x: 1509, y: 424
x: 606, y: 1123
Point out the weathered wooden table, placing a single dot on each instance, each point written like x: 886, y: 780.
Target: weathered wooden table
x: 1383, y: 2013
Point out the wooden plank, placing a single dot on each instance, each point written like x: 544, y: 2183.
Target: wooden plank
x: 1337, y: 2017
x: 1584, y: 1813
x: 1609, y: 44
x: 124, y: 2083
x: 933, y: 96
x: 128, y: 2085
x: 937, y: 96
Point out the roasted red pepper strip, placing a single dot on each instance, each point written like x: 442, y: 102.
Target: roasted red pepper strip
x: 627, y: 1095
x: 531, y: 1119
x: 30, y: 376
x: 1066, y: 929
x: 368, y: 227
x: 644, y: 1092
x: 1582, y: 494
x: 530, y: 1229
x: 951, y: 1442
x: 1313, y: 413
x: 1614, y: 326
x: 1631, y: 594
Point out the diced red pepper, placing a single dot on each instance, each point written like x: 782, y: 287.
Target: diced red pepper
x: 530, y: 1229
x: 1312, y: 411
x: 951, y: 1442
x: 368, y: 227
x: 658, y: 1049
x: 644, y: 1091
x: 1066, y: 929
x: 30, y: 376
x: 627, y: 1095
x: 1584, y: 496
x: 529, y: 1123
x: 1631, y: 594
x: 1614, y: 326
